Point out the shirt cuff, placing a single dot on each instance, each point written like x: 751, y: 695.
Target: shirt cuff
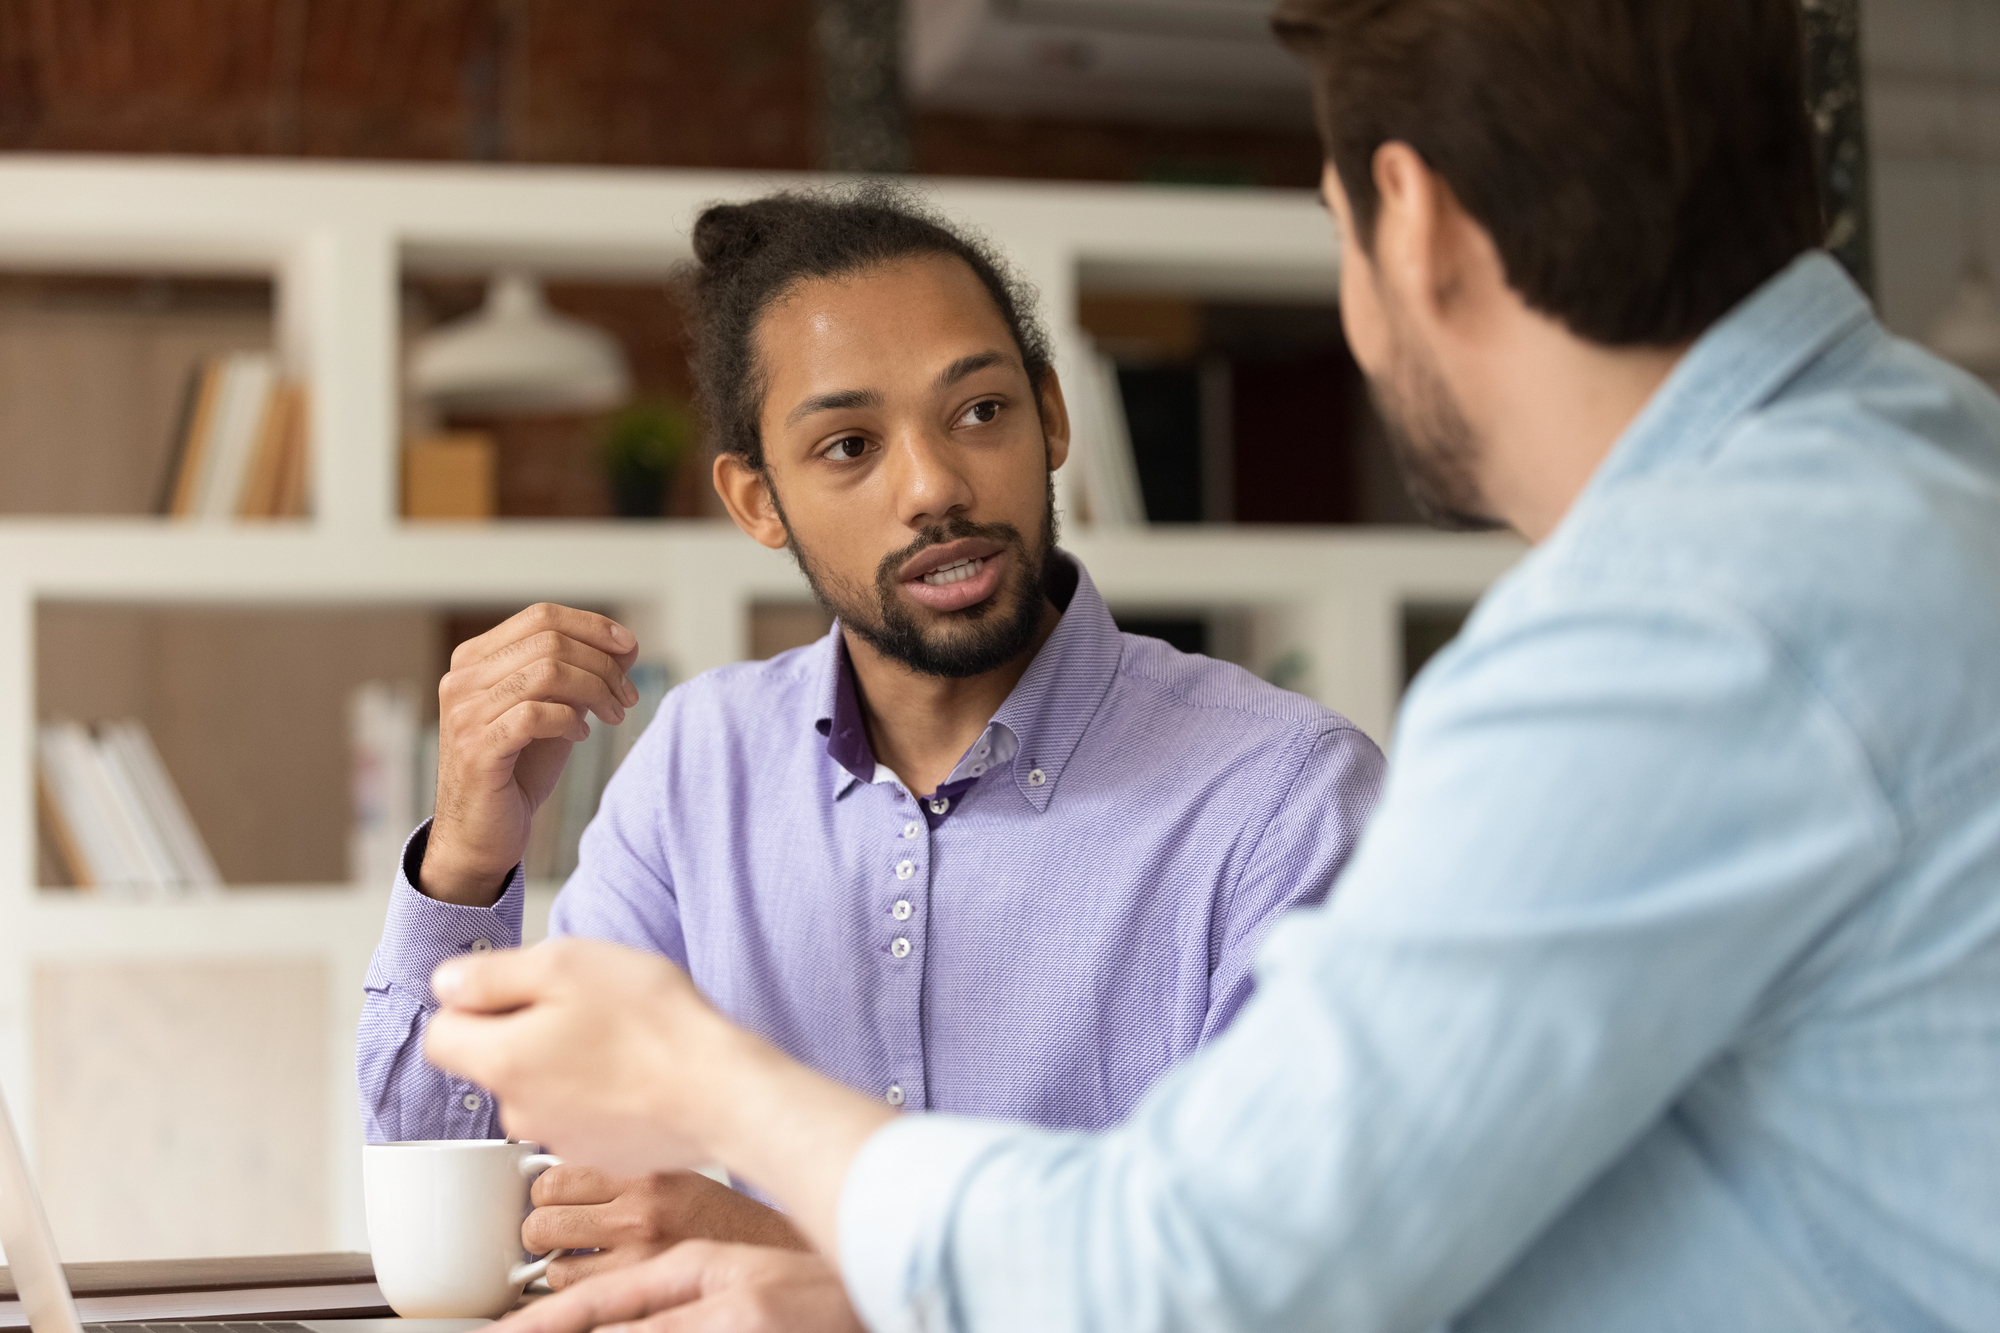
x: 422, y: 932
x: 896, y: 1210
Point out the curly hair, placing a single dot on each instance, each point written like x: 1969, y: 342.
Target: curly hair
x: 750, y: 255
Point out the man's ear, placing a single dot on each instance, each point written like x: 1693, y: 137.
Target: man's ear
x: 1427, y: 247
x: 746, y: 494
x: 1055, y: 418
x: 1406, y: 227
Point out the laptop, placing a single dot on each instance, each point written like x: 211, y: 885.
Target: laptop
x: 44, y: 1291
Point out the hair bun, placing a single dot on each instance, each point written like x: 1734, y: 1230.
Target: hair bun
x: 727, y: 234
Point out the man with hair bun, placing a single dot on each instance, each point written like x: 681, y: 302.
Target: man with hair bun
x: 1663, y: 992
x: 975, y: 850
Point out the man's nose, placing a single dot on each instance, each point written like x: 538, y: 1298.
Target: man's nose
x: 928, y: 477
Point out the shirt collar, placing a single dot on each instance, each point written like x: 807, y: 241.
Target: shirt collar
x: 1741, y: 362
x: 1036, y: 729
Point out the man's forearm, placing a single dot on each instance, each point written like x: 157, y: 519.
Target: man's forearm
x: 792, y: 1131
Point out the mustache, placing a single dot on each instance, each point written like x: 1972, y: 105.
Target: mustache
x: 938, y: 534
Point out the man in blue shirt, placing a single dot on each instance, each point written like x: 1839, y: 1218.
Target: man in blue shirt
x: 1663, y: 992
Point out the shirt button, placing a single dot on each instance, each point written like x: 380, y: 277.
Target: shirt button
x: 901, y: 948
x: 981, y: 750
x: 912, y: 829
x: 482, y: 946
x: 1036, y: 777
x: 977, y: 770
x: 901, y: 911
x: 938, y: 807
x: 906, y: 869
x: 470, y: 1101
x: 894, y: 1096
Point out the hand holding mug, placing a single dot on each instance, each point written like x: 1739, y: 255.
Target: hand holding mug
x: 621, y: 1222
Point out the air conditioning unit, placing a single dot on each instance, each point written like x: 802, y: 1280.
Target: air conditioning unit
x: 1207, y: 62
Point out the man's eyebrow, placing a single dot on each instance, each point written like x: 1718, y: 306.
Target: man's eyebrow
x: 970, y: 365
x: 834, y: 402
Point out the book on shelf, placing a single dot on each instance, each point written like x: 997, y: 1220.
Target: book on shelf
x: 1106, y: 472
x: 241, y: 447
x: 383, y: 728
x: 113, y: 814
x: 261, y: 1287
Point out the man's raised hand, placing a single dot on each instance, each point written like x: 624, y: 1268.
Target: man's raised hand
x: 514, y: 702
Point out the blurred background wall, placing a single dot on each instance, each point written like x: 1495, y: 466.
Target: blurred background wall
x: 791, y: 84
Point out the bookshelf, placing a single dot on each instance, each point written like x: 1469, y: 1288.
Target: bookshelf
x: 336, y: 246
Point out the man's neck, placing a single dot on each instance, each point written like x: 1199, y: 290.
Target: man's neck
x: 1553, y: 406
x: 920, y: 726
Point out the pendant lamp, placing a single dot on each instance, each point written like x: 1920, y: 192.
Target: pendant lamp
x: 515, y: 355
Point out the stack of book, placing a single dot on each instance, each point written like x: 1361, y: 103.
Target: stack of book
x: 113, y: 814
x: 240, y: 450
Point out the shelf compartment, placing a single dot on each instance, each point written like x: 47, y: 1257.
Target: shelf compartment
x: 94, y: 374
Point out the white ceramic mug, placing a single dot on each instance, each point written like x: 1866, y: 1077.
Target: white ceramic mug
x: 444, y: 1222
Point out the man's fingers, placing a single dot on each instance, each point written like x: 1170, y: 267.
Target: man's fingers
x: 570, y: 1184
x: 545, y: 680
x: 600, y: 632
x: 579, y: 1226
x: 574, y: 1268
x: 617, y: 1296
x: 547, y: 646
x: 525, y: 723
x: 491, y: 983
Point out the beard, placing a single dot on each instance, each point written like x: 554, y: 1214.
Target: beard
x: 1435, y: 447
x: 967, y: 642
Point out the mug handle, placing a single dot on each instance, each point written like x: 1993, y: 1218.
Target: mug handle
x: 525, y: 1273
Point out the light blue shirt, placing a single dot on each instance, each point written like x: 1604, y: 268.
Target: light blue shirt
x: 1663, y: 992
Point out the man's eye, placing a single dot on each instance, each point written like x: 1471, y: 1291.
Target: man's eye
x: 848, y: 449
x: 980, y: 414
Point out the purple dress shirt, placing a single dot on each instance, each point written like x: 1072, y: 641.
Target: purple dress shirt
x: 1072, y: 912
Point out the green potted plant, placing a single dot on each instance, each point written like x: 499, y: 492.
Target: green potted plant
x: 643, y: 444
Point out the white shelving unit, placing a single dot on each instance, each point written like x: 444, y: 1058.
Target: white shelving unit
x: 336, y: 240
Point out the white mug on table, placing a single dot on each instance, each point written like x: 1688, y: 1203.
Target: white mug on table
x: 444, y: 1222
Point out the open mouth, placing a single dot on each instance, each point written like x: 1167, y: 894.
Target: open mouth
x: 956, y: 572
x: 955, y: 576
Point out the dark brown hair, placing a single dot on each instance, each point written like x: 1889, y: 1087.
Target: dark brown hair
x: 750, y: 255
x: 1642, y: 165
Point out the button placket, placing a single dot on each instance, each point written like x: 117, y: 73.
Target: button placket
x: 901, y: 945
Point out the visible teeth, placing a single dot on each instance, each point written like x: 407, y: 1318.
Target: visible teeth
x: 956, y: 571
